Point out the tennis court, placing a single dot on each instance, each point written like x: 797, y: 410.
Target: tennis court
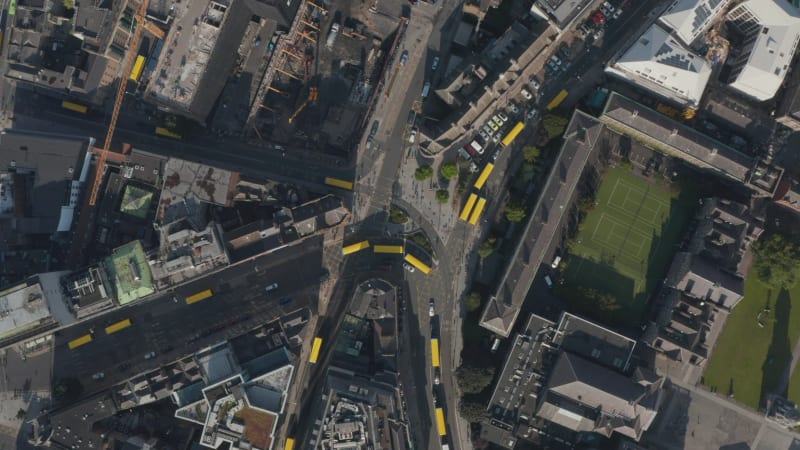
x: 626, y: 241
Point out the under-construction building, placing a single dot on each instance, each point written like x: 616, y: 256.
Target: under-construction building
x: 199, y: 51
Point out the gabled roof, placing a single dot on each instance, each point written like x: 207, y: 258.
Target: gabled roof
x: 660, y: 63
x: 690, y: 18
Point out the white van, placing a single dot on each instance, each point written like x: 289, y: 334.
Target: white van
x: 556, y: 262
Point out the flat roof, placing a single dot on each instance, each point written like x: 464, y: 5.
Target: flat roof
x: 658, y: 62
x: 775, y: 27
x: 22, y: 307
x: 594, y: 342
x: 690, y: 18
x: 184, y: 179
x: 55, y: 161
x: 643, y: 123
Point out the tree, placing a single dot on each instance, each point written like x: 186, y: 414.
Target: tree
x: 473, y: 380
x: 67, y: 390
x: 472, y: 411
x: 449, y: 170
x: 531, y: 153
x: 442, y: 195
x: 472, y: 302
x: 423, y: 173
x: 528, y: 167
x: 397, y: 215
x: 487, y: 247
x: 777, y: 260
x: 553, y: 125
x: 591, y: 302
x: 515, y: 212
x: 69, y: 4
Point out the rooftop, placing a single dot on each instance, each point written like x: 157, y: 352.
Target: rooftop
x: 544, y: 222
x: 563, y: 11
x: 659, y: 63
x: 773, y: 26
x: 22, y: 307
x: 129, y: 272
x: 594, y: 342
x: 187, y: 180
x: 675, y: 138
x: 690, y: 18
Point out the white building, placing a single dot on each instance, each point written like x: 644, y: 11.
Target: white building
x: 771, y: 30
x: 661, y: 64
x: 689, y: 19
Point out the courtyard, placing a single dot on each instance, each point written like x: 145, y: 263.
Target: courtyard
x: 626, y: 241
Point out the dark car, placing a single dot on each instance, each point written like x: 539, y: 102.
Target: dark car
x: 285, y: 300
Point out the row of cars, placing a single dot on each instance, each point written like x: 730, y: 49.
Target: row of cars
x: 594, y: 27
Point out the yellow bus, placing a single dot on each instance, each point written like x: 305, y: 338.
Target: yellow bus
x: 161, y: 131
x: 440, y: 422
x: 411, y: 259
x: 315, y: 350
x: 75, y: 343
x: 121, y: 325
x: 468, y: 207
x: 395, y: 249
x: 487, y: 170
x: 289, y: 444
x: 138, y: 68
x: 512, y: 134
x: 476, y: 213
x: 354, y: 248
x: 78, y: 108
x: 557, y: 100
x: 435, y: 352
x: 335, y: 182
x: 200, y: 296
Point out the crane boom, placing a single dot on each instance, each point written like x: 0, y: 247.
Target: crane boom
x: 130, y: 57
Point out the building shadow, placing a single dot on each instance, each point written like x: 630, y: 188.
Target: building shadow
x: 779, y: 355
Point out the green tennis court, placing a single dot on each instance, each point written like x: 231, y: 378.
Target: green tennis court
x: 625, y: 243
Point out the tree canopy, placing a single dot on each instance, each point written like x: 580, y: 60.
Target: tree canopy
x: 473, y: 380
x: 423, y: 173
x: 553, y: 125
x: 515, y: 212
x: 591, y: 302
x: 442, y: 195
x: 472, y: 302
x: 531, y: 153
x: 449, y: 170
x: 487, y: 247
x: 777, y: 260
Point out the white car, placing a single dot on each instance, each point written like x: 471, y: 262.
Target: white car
x: 497, y: 121
x: 526, y: 94
x: 271, y: 287
x: 412, y: 137
x: 150, y: 355
x: 431, y: 308
x: 408, y: 267
x: 435, y: 64
x: 502, y: 117
x: 609, y: 7
x: 488, y: 130
x: 98, y: 376
x: 484, y: 136
x: 535, y: 85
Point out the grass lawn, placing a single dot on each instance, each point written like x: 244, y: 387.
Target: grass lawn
x: 752, y: 358
x: 626, y: 242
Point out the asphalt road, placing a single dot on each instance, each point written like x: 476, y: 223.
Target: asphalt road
x: 172, y: 328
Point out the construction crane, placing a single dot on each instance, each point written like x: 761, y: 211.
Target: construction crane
x: 130, y: 57
x: 313, y: 93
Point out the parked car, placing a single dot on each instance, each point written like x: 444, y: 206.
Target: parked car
x: 484, y: 136
x: 617, y: 13
x: 497, y: 120
x: 413, y: 136
x: 285, y: 300
x: 404, y: 58
x: 431, y: 308
x: 150, y: 355
x: 526, y: 94
x: 531, y: 114
x: 98, y: 376
x: 408, y: 267
x: 599, y: 34
x: 435, y: 63
x: 609, y: 7
x: 492, y: 125
x: 271, y: 287
x: 502, y: 117
x: 556, y: 60
x: 488, y: 130
x: 535, y: 85
x: 514, y: 109
x: 585, y: 30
